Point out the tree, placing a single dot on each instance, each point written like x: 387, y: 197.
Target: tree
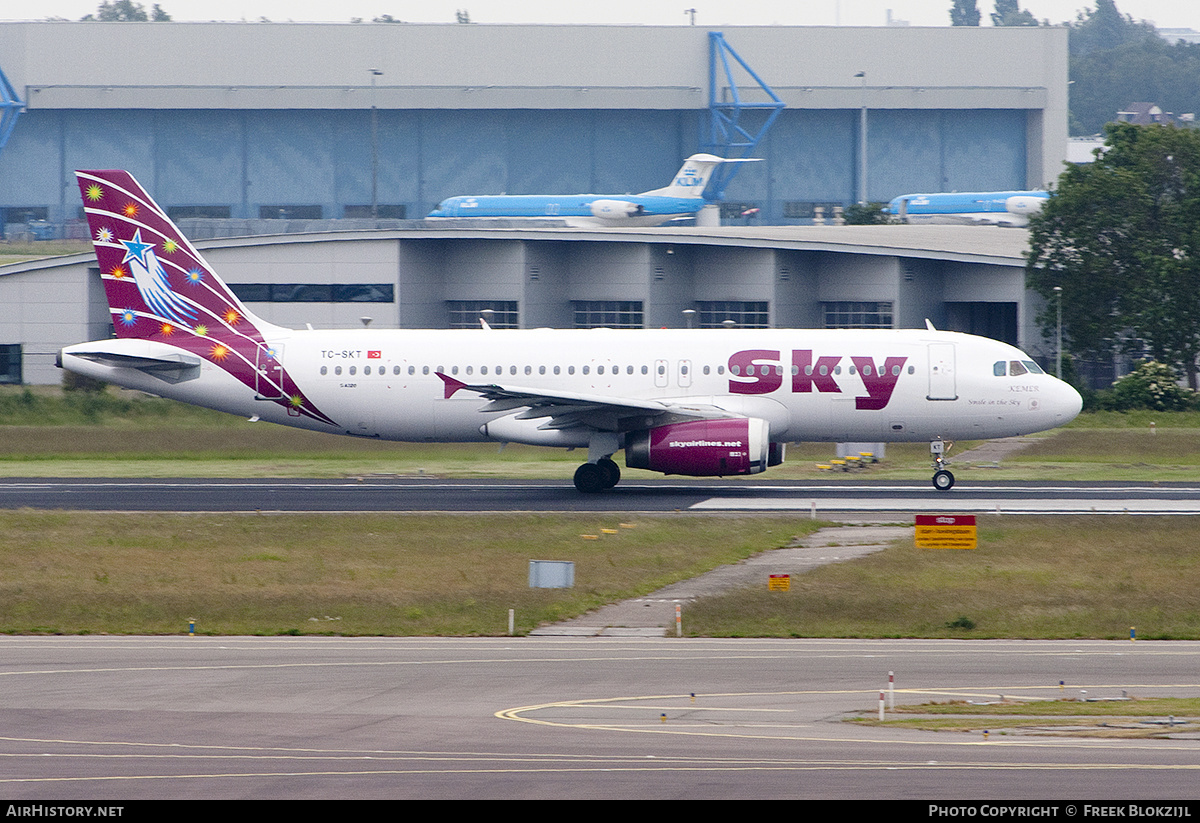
x: 1115, y: 61
x: 964, y: 13
x: 1121, y: 236
x: 127, y: 11
x: 1104, y: 27
x: 868, y: 214
x: 1010, y: 13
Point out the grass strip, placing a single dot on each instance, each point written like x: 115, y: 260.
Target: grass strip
x: 52, y: 433
x: 1135, y: 718
x: 387, y: 574
x: 1031, y: 577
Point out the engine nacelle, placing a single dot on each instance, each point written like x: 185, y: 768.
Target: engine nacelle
x: 1024, y: 204
x: 616, y: 209
x: 703, y: 448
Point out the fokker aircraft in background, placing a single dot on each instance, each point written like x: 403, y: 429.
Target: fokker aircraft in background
x: 690, y: 402
x: 684, y: 197
x: 1002, y: 208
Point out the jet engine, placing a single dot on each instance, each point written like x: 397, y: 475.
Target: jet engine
x: 614, y: 209
x: 704, y: 448
x: 1024, y: 204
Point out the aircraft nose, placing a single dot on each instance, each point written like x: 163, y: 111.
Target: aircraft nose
x: 1067, y: 403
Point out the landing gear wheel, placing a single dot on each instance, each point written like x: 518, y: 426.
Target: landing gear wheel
x: 590, y: 478
x: 612, y: 472
x: 943, y: 480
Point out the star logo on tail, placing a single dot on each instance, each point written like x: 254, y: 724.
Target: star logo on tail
x: 151, y: 279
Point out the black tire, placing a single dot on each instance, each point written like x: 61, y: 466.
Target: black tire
x: 590, y: 478
x: 943, y: 480
x: 612, y: 472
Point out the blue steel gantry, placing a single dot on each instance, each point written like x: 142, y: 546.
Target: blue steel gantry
x: 726, y: 132
x: 11, y: 107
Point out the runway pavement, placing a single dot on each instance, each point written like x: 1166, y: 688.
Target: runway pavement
x: 375, y: 494
x: 112, y: 718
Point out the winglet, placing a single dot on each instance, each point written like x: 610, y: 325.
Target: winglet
x: 929, y: 324
x: 452, y: 384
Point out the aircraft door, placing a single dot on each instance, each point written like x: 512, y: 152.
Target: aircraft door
x: 942, y: 384
x: 268, y: 372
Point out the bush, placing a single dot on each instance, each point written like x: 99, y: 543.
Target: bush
x: 1152, y: 385
x: 78, y: 382
x: 869, y: 214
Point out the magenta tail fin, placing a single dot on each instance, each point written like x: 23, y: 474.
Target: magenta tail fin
x: 157, y: 284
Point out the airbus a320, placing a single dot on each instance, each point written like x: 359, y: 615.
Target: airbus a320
x: 706, y: 403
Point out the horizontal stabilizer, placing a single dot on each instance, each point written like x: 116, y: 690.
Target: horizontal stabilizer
x: 167, y: 363
x: 128, y: 361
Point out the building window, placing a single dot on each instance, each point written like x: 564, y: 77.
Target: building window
x: 363, y: 293
x: 289, y: 212
x: 748, y: 314
x: 806, y: 209
x: 301, y: 292
x: 387, y: 212
x: 208, y: 212
x: 732, y: 211
x: 610, y: 314
x: 10, y: 363
x: 858, y: 315
x: 24, y: 214
x: 314, y: 292
x: 465, y: 314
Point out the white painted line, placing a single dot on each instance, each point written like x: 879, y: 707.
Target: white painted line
x: 950, y: 503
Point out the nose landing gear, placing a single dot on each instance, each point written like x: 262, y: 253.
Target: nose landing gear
x: 943, y: 480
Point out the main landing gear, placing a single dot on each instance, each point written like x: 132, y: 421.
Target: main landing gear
x: 943, y: 480
x: 597, y: 477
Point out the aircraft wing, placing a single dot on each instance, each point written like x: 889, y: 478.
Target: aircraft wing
x: 568, y: 410
x: 1000, y: 218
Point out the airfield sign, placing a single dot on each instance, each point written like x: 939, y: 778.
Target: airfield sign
x: 946, y: 531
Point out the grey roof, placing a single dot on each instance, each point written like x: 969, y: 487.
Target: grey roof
x: 972, y: 244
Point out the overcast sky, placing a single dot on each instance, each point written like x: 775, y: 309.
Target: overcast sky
x: 1163, y: 13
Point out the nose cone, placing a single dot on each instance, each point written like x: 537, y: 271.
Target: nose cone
x: 1065, y: 403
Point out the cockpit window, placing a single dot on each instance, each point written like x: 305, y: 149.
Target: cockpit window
x: 1015, y: 369
x: 999, y: 368
x: 1034, y: 368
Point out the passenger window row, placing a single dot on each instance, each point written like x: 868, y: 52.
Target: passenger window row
x: 735, y: 370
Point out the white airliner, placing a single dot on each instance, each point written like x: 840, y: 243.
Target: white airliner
x: 704, y: 403
x: 682, y: 197
x: 1000, y: 208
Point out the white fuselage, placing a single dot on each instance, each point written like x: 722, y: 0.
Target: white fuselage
x: 809, y: 385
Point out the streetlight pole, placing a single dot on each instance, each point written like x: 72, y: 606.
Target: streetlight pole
x: 374, y: 147
x: 862, y: 139
x: 1058, y: 333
